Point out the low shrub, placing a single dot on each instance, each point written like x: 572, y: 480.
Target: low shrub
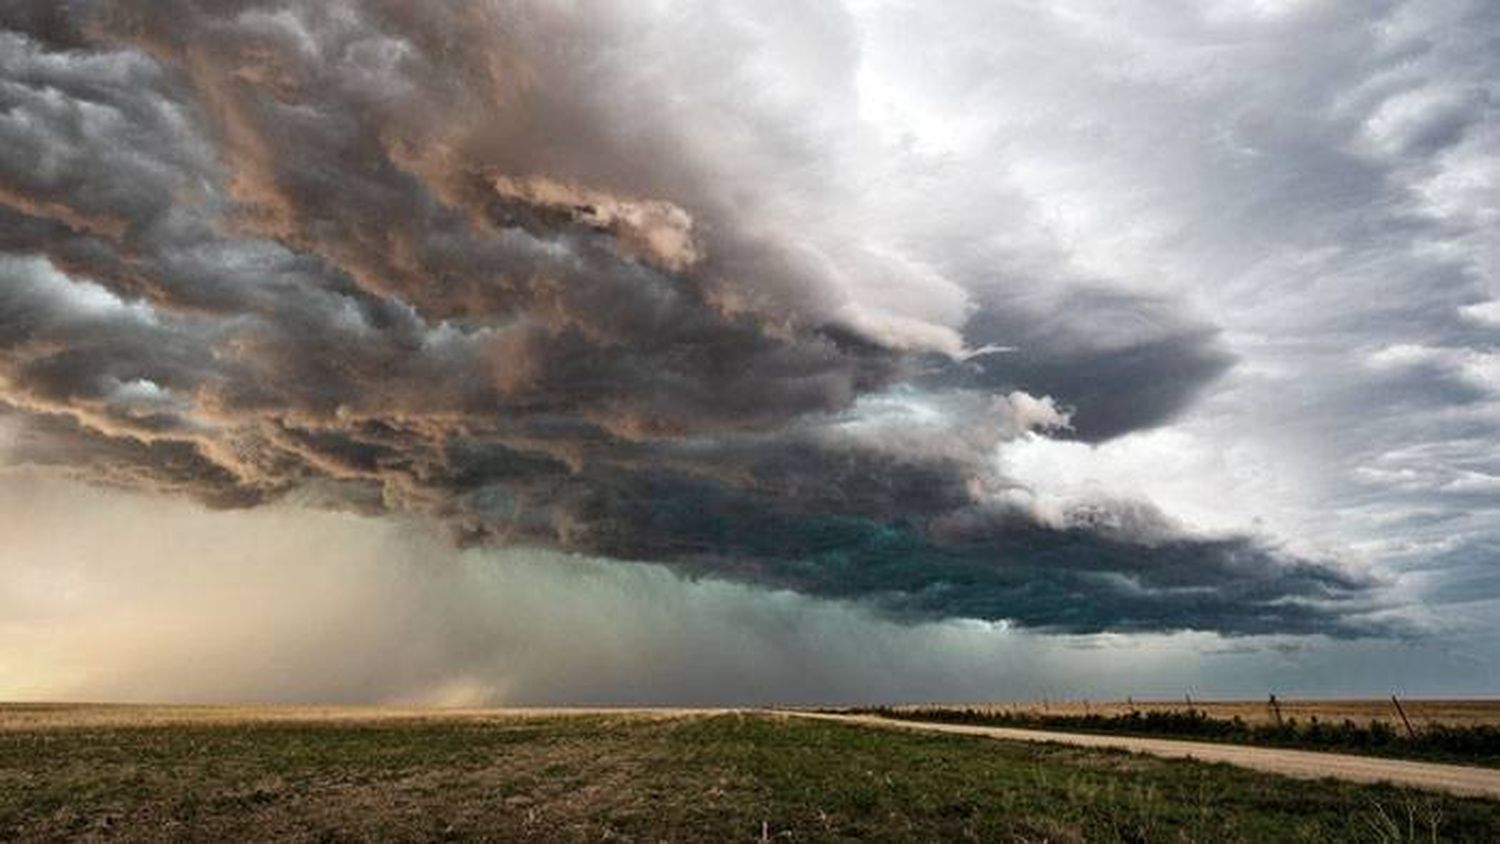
x: 1477, y: 744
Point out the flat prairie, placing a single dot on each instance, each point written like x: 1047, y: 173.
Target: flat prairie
x: 28, y: 717
x: 95, y: 773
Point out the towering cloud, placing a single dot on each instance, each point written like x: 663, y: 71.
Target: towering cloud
x: 585, y: 276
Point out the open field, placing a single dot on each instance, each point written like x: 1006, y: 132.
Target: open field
x: 210, y: 774
x: 1469, y: 780
x: 31, y: 717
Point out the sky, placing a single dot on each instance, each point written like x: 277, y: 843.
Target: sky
x: 564, y: 351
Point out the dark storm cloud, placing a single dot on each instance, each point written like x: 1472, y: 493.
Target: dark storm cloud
x: 1096, y: 575
x: 56, y: 23
x: 476, y: 261
x: 1122, y: 362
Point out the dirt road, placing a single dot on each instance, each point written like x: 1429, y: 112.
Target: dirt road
x: 1454, y: 779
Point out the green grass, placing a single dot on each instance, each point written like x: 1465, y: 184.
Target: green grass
x: 720, y: 778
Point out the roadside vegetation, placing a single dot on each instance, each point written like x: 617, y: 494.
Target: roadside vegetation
x: 726, y: 777
x: 1472, y: 744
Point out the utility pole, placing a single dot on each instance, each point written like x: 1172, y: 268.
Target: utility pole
x: 1410, y: 733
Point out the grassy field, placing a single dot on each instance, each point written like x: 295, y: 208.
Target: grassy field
x: 1421, y: 712
x: 1459, y: 732
x: 118, y: 773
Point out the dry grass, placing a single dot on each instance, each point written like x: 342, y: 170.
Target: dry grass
x: 211, y: 774
x: 1457, y: 713
x: 59, y: 716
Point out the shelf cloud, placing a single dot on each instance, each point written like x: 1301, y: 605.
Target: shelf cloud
x: 660, y: 283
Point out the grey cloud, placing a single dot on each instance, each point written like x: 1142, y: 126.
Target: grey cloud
x: 485, y: 263
x: 986, y: 565
x: 1464, y: 575
x: 382, y: 613
x: 1320, y: 178
x: 56, y: 23
x: 1121, y: 362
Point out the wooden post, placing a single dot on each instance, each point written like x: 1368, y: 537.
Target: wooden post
x: 1410, y: 733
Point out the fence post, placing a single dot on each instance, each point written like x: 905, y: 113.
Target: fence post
x: 1410, y: 733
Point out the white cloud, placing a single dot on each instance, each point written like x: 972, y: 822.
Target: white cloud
x: 1484, y: 313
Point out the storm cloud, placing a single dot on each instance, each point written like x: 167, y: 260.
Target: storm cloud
x: 545, y: 276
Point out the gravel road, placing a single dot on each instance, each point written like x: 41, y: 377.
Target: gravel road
x: 1455, y: 779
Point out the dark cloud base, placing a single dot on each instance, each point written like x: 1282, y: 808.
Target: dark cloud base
x: 400, y: 261
x: 985, y: 565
